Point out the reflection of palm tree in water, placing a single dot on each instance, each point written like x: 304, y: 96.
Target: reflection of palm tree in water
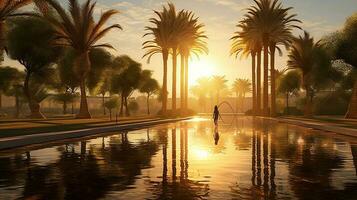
x: 354, y: 155
x: 259, y: 188
x: 174, y: 154
x: 185, y: 188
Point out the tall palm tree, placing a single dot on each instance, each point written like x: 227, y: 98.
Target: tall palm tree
x: 78, y: 30
x: 272, y: 21
x: 281, y: 35
x: 161, y: 42
x: 192, y: 43
x: 246, y: 42
x: 219, y: 83
x: 302, y: 56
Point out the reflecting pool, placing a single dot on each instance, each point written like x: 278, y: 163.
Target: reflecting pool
x: 242, y: 158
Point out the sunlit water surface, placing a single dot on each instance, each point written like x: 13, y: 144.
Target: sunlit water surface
x: 241, y: 159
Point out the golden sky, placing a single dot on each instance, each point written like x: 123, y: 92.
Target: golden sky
x: 220, y: 16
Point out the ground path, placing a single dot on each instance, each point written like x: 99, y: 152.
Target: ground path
x: 10, y: 128
x: 325, y: 123
x: 91, y: 130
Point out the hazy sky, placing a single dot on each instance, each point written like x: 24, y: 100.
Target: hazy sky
x: 220, y: 16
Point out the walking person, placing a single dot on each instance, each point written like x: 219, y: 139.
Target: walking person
x: 216, y: 115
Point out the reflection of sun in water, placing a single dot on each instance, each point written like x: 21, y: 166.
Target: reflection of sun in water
x: 300, y: 141
x: 200, y: 154
x: 199, y: 68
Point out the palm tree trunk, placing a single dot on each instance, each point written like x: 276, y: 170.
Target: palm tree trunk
x: 0, y: 100
x: 182, y: 83
x: 308, y: 106
x: 103, y: 104
x: 237, y: 101
x: 352, y: 108
x: 266, y: 83
x: 165, y: 55
x: 287, y: 103
x: 17, y: 105
x: 259, y: 84
x: 272, y: 81
x: 174, y: 76
x: 148, y: 103
x: 121, y: 105
x: 254, y: 107
x: 243, y: 97
x: 186, y: 81
x: 33, y: 105
x: 64, y: 107
x: 2, y: 41
x: 82, y: 67
x: 83, y: 109
x: 127, y: 111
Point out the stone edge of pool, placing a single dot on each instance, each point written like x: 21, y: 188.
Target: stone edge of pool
x: 26, y: 140
x: 317, y: 126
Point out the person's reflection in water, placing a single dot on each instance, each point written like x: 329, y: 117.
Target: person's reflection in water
x: 216, y: 135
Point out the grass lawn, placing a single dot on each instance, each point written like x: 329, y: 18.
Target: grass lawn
x: 10, y: 128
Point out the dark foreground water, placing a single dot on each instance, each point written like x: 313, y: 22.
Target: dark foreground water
x: 241, y: 159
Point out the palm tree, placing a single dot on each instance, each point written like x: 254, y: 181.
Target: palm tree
x: 241, y: 87
x: 219, y: 83
x: 247, y: 42
x: 281, y: 35
x: 162, y: 33
x: 78, y: 30
x: 192, y: 43
x: 274, y: 25
x: 178, y: 25
x: 308, y: 57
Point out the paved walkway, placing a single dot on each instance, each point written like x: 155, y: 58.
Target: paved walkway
x: 339, y: 127
x: 24, y: 140
x: 9, y: 128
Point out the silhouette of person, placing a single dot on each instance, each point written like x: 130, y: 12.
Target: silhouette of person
x: 216, y: 135
x: 216, y: 115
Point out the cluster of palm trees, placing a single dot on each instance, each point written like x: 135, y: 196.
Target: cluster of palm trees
x: 241, y: 87
x: 217, y: 87
x: 176, y: 34
x: 266, y: 26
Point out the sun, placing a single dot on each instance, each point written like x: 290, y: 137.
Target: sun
x: 200, y: 68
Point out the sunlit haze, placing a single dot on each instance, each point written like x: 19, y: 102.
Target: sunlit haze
x: 219, y: 18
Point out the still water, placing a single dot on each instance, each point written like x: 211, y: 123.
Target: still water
x: 242, y: 158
